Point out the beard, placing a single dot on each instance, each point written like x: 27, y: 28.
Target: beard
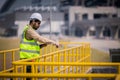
x: 35, y: 28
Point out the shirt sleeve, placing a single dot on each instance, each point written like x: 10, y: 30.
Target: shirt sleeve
x: 34, y: 35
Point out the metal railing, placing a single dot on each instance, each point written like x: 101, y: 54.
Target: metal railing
x: 4, y: 55
x: 72, y: 62
x: 72, y: 74
x: 8, y: 56
x: 74, y: 54
x: 80, y: 53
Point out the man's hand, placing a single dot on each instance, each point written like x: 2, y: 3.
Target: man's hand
x: 42, y: 45
x: 56, y: 44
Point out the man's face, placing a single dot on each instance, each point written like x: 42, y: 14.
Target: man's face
x: 36, y: 24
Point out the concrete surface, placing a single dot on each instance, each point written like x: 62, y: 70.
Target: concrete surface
x: 100, y: 44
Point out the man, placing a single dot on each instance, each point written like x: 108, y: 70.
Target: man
x: 28, y: 45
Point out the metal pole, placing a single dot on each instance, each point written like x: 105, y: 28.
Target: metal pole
x: 50, y: 17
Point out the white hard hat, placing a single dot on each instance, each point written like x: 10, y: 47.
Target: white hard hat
x: 36, y: 16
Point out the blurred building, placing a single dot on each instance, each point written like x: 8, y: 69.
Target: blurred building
x: 100, y: 22
x: 92, y: 18
x: 82, y: 18
x: 15, y: 15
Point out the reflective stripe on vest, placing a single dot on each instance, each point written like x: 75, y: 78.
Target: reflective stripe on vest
x: 28, y: 48
x: 30, y: 51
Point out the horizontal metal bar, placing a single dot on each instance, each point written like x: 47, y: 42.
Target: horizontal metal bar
x: 10, y: 50
x: 7, y: 70
x: 68, y: 63
x: 55, y: 75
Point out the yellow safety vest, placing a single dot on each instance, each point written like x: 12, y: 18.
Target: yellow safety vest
x: 28, y: 48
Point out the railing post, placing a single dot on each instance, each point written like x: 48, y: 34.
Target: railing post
x: 77, y: 59
x: 59, y: 58
x: 15, y: 71
x: 33, y: 70
x: 72, y: 59
x: 45, y: 68
x: 65, y: 59
x: 4, y: 64
x: 119, y: 69
x: 24, y: 70
x: 13, y: 55
x: 52, y: 61
x: 90, y: 78
x: 68, y: 56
